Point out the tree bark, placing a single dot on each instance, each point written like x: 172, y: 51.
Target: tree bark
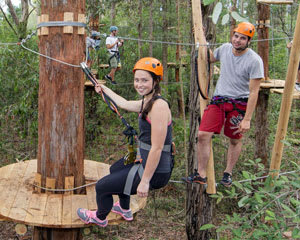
x: 261, y: 119
x: 165, y: 38
x: 199, y: 206
x: 150, y: 28
x: 61, y: 106
x: 140, y: 11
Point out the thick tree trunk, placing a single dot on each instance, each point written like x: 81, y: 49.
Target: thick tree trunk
x: 199, y: 206
x: 262, y: 133
x: 261, y: 127
x: 61, y: 106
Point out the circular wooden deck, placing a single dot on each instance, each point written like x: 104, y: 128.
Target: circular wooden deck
x: 19, y: 204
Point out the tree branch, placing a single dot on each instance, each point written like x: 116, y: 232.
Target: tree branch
x: 6, y: 19
x: 12, y: 12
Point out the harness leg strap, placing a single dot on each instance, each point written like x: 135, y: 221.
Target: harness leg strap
x: 129, y: 180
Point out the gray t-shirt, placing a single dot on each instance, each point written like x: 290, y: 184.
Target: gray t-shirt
x: 236, y: 71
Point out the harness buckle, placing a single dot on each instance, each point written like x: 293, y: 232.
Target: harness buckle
x: 138, y: 160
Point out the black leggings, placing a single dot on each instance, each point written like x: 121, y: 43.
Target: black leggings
x: 114, y: 183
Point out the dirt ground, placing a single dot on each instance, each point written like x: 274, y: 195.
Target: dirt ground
x: 163, y: 220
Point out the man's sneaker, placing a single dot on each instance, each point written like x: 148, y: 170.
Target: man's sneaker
x: 126, y: 214
x: 195, y: 178
x: 88, y: 216
x: 297, y: 86
x: 110, y: 79
x: 227, y: 179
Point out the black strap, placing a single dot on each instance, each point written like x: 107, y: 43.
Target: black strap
x: 197, y: 77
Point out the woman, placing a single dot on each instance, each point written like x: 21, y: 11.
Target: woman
x: 155, y: 140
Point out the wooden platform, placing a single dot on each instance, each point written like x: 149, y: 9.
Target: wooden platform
x: 90, y: 84
x: 272, y: 83
x: 275, y: 1
x: 296, y: 94
x: 19, y: 204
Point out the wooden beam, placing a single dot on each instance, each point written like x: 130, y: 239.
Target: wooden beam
x: 286, y: 102
x: 275, y: 1
x: 203, y: 78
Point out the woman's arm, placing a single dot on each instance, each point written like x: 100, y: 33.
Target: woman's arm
x: 132, y: 106
x: 160, y: 116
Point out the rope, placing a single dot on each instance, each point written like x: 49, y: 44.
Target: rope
x: 172, y: 181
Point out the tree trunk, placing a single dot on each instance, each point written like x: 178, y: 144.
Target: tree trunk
x: 61, y: 106
x: 261, y: 127
x: 165, y: 39
x: 140, y: 11
x: 199, y: 206
x: 150, y: 28
x: 262, y: 133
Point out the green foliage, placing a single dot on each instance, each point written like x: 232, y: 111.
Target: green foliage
x: 271, y: 207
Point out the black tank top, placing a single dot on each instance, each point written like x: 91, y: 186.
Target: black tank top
x: 165, y: 162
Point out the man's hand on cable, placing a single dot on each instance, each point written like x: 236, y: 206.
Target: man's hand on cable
x: 143, y: 189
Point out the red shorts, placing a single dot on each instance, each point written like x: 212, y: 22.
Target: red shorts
x: 215, y: 116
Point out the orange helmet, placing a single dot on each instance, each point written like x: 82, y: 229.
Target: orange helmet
x: 245, y: 28
x: 150, y: 64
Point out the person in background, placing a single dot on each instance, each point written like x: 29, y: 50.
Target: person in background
x: 297, y: 85
x: 113, y: 43
x: 233, y: 102
x: 92, y: 42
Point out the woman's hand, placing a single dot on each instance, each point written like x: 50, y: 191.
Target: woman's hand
x: 143, y: 189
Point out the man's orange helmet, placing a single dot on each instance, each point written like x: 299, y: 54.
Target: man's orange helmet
x: 150, y: 64
x: 245, y: 28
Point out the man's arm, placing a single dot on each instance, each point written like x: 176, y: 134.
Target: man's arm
x: 254, y: 86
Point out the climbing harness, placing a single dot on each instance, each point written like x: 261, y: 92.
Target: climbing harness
x: 204, y: 94
x: 129, y: 132
x: 115, y: 54
x: 217, y: 100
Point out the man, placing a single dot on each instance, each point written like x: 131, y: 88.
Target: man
x: 92, y: 42
x: 297, y: 86
x: 113, y: 44
x: 233, y: 103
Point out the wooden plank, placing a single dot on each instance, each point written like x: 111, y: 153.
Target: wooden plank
x: 44, y: 30
x: 103, y: 169
x: 81, y: 18
x: 69, y: 184
x: 91, y: 197
x: 275, y: 1
x: 19, y: 207
x: 67, y: 210
x: 11, y: 187
x: 50, y: 184
x: 53, y: 211
x: 78, y: 201
x: 272, y: 83
x: 90, y: 171
x: 296, y: 94
x: 68, y: 17
x: 36, y: 209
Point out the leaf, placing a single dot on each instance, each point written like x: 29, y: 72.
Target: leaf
x: 207, y: 226
x: 241, y: 202
x: 270, y: 213
x: 216, y: 12
x: 246, y: 175
x: 237, y: 17
x: 225, y: 19
x: 207, y: 2
x: 268, y: 218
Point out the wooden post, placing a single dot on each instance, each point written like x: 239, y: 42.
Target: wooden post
x: 261, y: 119
x: 286, y: 102
x: 203, y: 78
x: 199, y: 205
x: 61, y: 104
